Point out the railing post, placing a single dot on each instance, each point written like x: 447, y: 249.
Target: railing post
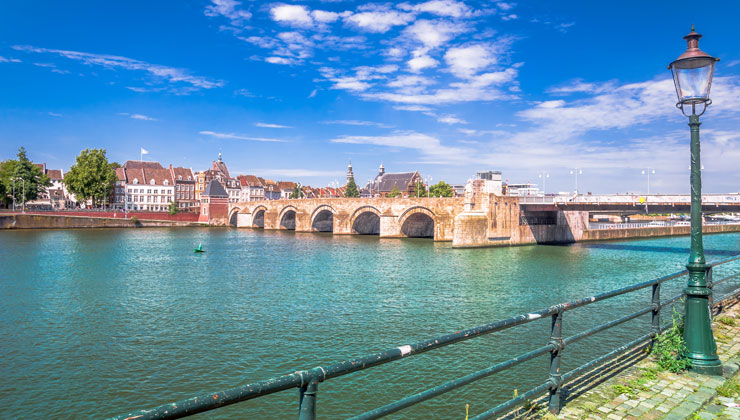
x: 556, y: 342
x: 307, y: 401
x: 656, y: 310
x: 710, y: 286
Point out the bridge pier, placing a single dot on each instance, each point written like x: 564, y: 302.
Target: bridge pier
x: 244, y: 220
x: 389, y: 227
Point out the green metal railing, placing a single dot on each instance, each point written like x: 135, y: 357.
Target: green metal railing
x: 307, y: 381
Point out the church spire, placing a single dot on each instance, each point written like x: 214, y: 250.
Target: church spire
x: 350, y: 174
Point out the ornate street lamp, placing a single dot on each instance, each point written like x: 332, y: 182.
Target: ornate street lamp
x: 692, y: 75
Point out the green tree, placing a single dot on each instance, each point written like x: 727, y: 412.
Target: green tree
x: 297, y: 192
x: 441, y: 189
x: 173, y: 208
x: 29, y: 179
x: 115, y: 165
x: 91, y: 177
x: 395, y: 192
x: 351, y: 190
x: 420, y: 190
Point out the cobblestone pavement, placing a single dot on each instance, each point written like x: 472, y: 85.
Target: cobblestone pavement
x: 643, y: 392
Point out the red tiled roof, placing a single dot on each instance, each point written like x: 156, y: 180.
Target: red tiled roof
x: 286, y: 185
x: 137, y: 164
x: 249, y: 180
x: 54, y: 173
x: 182, y: 172
x: 158, y: 175
x: 121, y: 174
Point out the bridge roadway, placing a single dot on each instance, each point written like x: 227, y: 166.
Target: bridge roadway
x: 483, y: 220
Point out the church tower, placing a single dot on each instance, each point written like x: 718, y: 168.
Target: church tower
x: 350, y: 174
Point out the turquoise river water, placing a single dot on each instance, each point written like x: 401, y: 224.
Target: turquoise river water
x: 95, y: 323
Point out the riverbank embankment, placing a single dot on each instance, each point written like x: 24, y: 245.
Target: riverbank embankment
x: 642, y: 391
x: 44, y: 221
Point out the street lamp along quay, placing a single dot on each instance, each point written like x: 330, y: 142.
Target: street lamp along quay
x: 692, y: 75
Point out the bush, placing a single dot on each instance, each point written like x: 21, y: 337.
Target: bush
x: 134, y: 220
x: 670, y: 350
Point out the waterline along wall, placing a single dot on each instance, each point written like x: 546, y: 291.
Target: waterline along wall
x: 38, y: 221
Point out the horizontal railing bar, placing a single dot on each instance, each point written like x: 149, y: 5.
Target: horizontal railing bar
x: 574, y: 338
x: 672, y: 300
x: 599, y: 360
x: 207, y: 402
x: 722, y: 280
x: 514, y: 402
x: 730, y: 295
x: 716, y: 263
x: 214, y: 400
x: 451, y: 385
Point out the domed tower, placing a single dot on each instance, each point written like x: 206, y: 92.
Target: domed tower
x: 381, y: 172
x: 350, y: 174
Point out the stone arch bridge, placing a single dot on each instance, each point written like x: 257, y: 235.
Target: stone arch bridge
x: 387, y: 217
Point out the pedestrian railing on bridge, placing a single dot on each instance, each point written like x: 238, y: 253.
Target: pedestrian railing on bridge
x: 667, y: 223
x: 307, y: 381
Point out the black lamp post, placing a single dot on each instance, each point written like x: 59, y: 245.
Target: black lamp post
x: 692, y: 75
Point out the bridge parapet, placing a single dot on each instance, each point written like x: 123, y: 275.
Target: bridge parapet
x: 427, y: 216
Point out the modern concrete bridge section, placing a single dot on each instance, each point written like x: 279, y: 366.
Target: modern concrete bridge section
x: 477, y: 221
x: 627, y: 204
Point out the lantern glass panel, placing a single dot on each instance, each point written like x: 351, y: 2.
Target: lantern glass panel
x: 693, y: 79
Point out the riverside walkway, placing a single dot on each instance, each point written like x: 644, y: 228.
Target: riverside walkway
x: 643, y: 392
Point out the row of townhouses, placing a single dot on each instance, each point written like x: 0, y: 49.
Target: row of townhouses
x: 149, y: 186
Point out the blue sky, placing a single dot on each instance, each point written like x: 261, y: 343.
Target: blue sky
x: 295, y: 89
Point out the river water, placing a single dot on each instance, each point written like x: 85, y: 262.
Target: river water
x: 95, y: 323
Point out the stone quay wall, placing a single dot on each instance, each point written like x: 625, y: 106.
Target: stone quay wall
x: 37, y: 221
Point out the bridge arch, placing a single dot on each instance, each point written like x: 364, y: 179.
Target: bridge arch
x: 287, y: 217
x: 258, y: 216
x: 322, y: 218
x: 365, y: 220
x: 417, y: 222
x: 233, y: 216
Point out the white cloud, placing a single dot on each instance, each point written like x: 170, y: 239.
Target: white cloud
x: 433, y: 34
x: 417, y: 108
x: 408, y: 80
x: 169, y: 74
x: 421, y: 62
x: 278, y: 60
x: 378, y: 19
x: 294, y: 173
x: 430, y: 147
x: 324, y: 16
x: 54, y: 114
x: 510, y: 17
x: 295, y: 15
x: 579, y: 86
x: 479, y: 88
x: 451, y: 119
x: 466, y: 61
x: 9, y: 60
x: 449, y: 8
x: 228, y: 9
x: 268, y: 125
x: 505, y: 6
x: 138, y: 116
x: 312, y: 94
x: 358, y: 123
x: 245, y: 93
x: 232, y: 136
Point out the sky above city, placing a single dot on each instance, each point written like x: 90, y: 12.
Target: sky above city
x: 294, y: 90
